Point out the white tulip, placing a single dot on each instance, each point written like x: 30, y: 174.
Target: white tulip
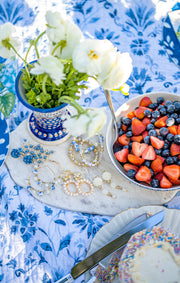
x: 6, y: 40
x: 118, y: 72
x: 89, y: 56
x: 88, y: 123
x: 51, y: 66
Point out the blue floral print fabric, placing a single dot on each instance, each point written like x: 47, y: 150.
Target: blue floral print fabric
x: 39, y: 243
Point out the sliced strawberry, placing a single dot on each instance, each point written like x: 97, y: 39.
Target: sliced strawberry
x: 145, y: 101
x: 157, y: 143
x: 159, y: 176
x: 173, y: 129
x: 131, y: 115
x: 122, y: 155
x: 172, y: 171
x: 137, y: 138
x: 175, y: 182
x: 143, y: 174
x: 149, y: 153
x: 174, y: 149
x: 165, y: 183
x: 146, y: 121
x: 178, y: 130
x: 124, y: 140
x: 137, y: 127
x: 128, y: 166
x: 124, y: 127
x: 161, y: 122
x: 145, y: 133
x: 139, y: 112
x: 156, y: 165
x: 135, y: 159
x: 138, y: 148
x: 161, y: 158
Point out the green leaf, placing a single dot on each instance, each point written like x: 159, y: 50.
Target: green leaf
x: 7, y: 102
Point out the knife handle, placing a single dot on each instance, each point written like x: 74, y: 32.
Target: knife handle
x: 66, y: 279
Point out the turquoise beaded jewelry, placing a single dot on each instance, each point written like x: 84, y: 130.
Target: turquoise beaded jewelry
x: 31, y: 153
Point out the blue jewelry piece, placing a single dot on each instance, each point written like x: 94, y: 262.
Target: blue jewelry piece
x: 31, y: 153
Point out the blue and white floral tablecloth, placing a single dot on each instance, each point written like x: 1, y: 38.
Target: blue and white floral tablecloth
x: 40, y: 243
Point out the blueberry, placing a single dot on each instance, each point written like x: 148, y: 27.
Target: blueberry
x: 160, y: 100
x: 177, y: 106
x: 154, y: 183
x: 175, y: 158
x: 150, y: 127
x: 147, y: 139
x: 117, y: 147
x: 165, y: 153
x: 160, y: 138
x: 174, y: 115
x: 152, y: 172
x: 121, y: 132
x: 170, y: 108
x: 178, y: 120
x: 119, y: 124
x: 163, y: 131
x: 170, y: 137
x: 126, y: 121
x: 160, y: 106
x: 177, y: 139
x: 163, y: 111
x: 178, y: 162
x: 129, y: 134
x: 153, y: 120
x: 158, y: 151
x: 169, y: 160
x: 153, y: 106
x: 156, y: 114
x: 131, y: 173
x: 147, y: 163
x: 126, y: 146
x: 166, y: 145
x: 153, y: 133
x: 147, y: 113
x: 170, y: 122
x: 167, y: 103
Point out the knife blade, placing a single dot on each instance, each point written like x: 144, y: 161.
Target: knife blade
x: 105, y: 261
x: 111, y: 247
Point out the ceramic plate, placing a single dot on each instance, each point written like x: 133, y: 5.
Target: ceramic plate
x: 171, y: 42
x: 4, y: 139
x: 171, y: 222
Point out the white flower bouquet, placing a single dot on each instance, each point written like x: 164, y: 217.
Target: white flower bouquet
x: 59, y: 77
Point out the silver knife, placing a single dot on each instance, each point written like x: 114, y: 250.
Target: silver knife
x: 104, y: 262
x: 111, y: 247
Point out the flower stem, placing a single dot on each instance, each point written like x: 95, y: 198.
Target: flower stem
x: 61, y: 44
x: 36, y: 41
x: 71, y: 101
x: 44, y: 84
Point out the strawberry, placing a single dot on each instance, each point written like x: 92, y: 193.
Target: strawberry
x: 143, y: 174
x: 156, y: 165
x: 138, y: 148
x: 131, y: 115
x: 137, y: 127
x: 165, y: 183
x: 157, y: 143
x: 121, y: 155
x: 145, y: 101
x: 178, y: 130
x: 146, y: 121
x: 175, y: 182
x: 174, y: 149
x: 124, y: 127
x: 145, y: 133
x: 139, y: 112
x: 172, y: 171
x: 135, y: 159
x: 173, y: 129
x: 137, y: 138
x: 159, y: 176
x: 149, y: 153
x: 128, y: 166
x: 161, y: 122
x: 160, y: 157
x: 124, y: 140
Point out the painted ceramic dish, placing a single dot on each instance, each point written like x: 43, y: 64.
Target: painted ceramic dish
x: 4, y: 139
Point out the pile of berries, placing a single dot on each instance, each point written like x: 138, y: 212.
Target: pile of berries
x: 148, y: 146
